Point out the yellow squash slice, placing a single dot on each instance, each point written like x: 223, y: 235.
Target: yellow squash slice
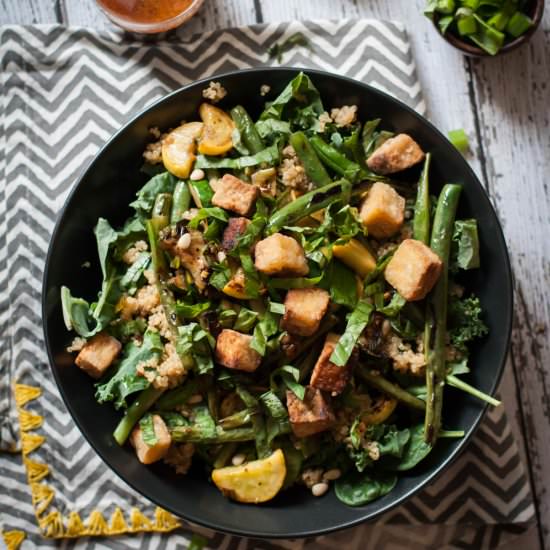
x: 178, y: 148
x: 253, y: 482
x: 380, y: 411
x: 216, y: 138
x: 356, y: 256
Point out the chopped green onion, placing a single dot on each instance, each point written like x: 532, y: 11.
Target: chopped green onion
x: 445, y: 6
x: 499, y: 20
x: 487, y: 38
x: 472, y: 4
x: 459, y: 139
x: 466, y: 25
x: 444, y: 23
x: 518, y: 24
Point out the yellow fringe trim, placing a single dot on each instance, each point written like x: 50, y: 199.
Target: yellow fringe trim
x: 52, y: 523
x: 13, y: 539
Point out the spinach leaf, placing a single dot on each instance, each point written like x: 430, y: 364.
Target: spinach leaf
x: 277, y: 416
x: 293, y: 461
x: 214, y: 213
x: 130, y: 280
x: 252, y: 283
x: 394, y: 307
x: 147, y: 427
x: 252, y: 405
x: 161, y: 183
x: 276, y: 307
x: 357, y: 322
x: 272, y: 128
x: 191, y: 311
x: 290, y: 376
x: 203, y: 422
x: 105, y: 236
x: 465, y: 247
x: 415, y: 451
x: 246, y: 318
x: 340, y: 282
x: 266, y: 327
x: 221, y: 274
x: 125, y: 381
x: 173, y: 419
x: 77, y: 315
x: 196, y: 342
x: 358, y: 489
x: 294, y: 282
x: 202, y: 193
x: 270, y: 155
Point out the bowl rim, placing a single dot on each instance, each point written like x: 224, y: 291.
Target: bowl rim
x: 475, y: 51
x: 437, y: 470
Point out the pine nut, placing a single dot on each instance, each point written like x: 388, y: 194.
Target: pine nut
x: 319, y: 489
x: 331, y: 475
x: 238, y: 459
x: 184, y: 241
x: 196, y: 175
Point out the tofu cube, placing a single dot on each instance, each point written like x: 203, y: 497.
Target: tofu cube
x: 234, y: 229
x: 98, y: 354
x: 413, y: 270
x: 383, y: 211
x: 326, y: 375
x: 395, y: 154
x: 310, y: 416
x: 304, y: 310
x: 234, y: 352
x: 235, y: 195
x: 280, y: 256
x: 145, y: 453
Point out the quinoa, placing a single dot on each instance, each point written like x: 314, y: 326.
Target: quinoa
x: 148, y: 299
x: 265, y: 89
x: 77, y: 344
x: 168, y: 372
x: 324, y: 119
x: 404, y: 358
x: 180, y: 457
x: 155, y: 132
x: 292, y: 171
x: 215, y: 92
x: 132, y: 254
x: 344, y: 116
x: 153, y: 152
x: 157, y: 321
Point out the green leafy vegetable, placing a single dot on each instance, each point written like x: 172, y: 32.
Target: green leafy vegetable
x: 161, y: 183
x: 191, y: 311
x: 266, y: 327
x: 125, y: 380
x: 414, y: 451
x: 214, y: 213
x: 193, y: 340
x: 270, y: 155
x: 290, y: 376
x: 357, y: 322
x: 459, y: 139
x: 359, y: 489
x: 465, y: 322
x: 465, y: 248
x: 246, y: 319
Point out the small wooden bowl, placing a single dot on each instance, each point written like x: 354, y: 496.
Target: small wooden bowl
x: 534, y: 10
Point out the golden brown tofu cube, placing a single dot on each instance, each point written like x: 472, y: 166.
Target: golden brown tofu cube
x: 326, y: 375
x: 234, y: 352
x: 395, y: 154
x: 235, y: 195
x: 304, y: 310
x: 280, y: 256
x: 413, y: 270
x: 235, y: 229
x: 310, y: 416
x: 383, y: 211
x: 98, y: 354
x: 148, y: 454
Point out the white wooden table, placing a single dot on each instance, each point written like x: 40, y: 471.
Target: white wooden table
x: 504, y: 106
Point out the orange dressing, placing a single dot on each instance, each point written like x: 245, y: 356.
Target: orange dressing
x: 145, y: 11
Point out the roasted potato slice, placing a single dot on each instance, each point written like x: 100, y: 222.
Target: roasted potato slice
x: 216, y: 138
x: 179, y: 147
x: 252, y: 482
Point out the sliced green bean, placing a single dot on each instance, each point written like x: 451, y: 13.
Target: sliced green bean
x: 193, y: 435
x: 312, y: 165
x: 422, y: 208
x: 335, y: 160
x: 137, y: 409
x: 440, y: 243
x: 235, y: 420
x: 180, y: 202
x: 249, y: 135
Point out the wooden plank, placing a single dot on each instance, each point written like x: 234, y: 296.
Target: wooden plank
x: 513, y: 99
x: 28, y: 12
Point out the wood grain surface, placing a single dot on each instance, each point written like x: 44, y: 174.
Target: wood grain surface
x: 504, y: 106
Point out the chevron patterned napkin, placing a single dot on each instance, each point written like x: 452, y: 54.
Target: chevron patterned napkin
x: 64, y: 92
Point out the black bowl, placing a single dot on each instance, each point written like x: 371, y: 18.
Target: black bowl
x: 106, y: 188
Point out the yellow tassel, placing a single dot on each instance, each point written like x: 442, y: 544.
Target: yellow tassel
x: 13, y: 539
x: 96, y: 524
x: 36, y: 470
x: 31, y: 442
x: 24, y: 394
x: 118, y: 523
x: 52, y: 525
x: 139, y: 521
x: 42, y: 495
x: 29, y: 421
x: 75, y: 527
x: 165, y: 521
